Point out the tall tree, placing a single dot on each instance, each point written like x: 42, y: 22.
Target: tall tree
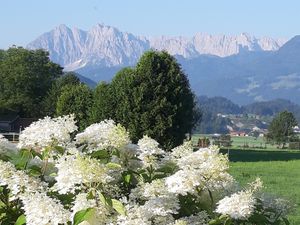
x: 281, y: 128
x: 76, y: 99
x: 163, y: 103
x: 26, y: 76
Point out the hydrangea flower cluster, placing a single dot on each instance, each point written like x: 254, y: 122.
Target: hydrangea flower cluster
x: 47, y: 132
x: 203, y: 169
x: 7, y: 147
x: 149, y: 151
x: 76, y: 170
x: 100, y: 177
x: 38, y: 207
x: 41, y: 209
x: 103, y: 135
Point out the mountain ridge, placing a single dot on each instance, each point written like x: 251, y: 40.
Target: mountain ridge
x: 107, y: 46
x: 243, y: 68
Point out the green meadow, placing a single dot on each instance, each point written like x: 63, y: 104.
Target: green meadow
x: 279, y: 171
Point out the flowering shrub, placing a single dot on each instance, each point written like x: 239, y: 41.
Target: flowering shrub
x: 100, y: 177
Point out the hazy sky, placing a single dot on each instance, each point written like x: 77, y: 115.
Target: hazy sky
x: 21, y: 21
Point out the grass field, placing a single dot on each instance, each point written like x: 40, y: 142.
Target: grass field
x: 279, y: 171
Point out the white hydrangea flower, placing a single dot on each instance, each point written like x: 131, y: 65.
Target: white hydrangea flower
x: 200, y: 218
x: 161, y: 206
x: 256, y: 185
x: 135, y: 216
x: 155, y: 188
x: 6, y: 146
x: 205, y: 168
x: 148, y: 151
x: 103, y: 135
x: 46, y: 132
x: 82, y: 202
x: 239, y: 205
x: 39, y: 208
x: 153, y: 210
x: 183, y: 182
x: 279, y: 206
x: 158, y: 201
x: 43, y: 210
x: 163, y: 220
x: 75, y: 170
x: 18, y: 181
x: 182, y: 150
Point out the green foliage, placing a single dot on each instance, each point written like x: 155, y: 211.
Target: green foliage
x: 26, y: 76
x: 210, y: 108
x: 271, y: 108
x: 21, y: 220
x: 218, y: 104
x: 49, y: 104
x: 164, y: 103
x: 158, y: 100
x: 83, y: 215
x: 9, y: 210
x: 75, y: 100
x: 211, y: 123
x: 281, y: 128
x: 122, y: 98
x: 153, y: 99
x: 101, y: 108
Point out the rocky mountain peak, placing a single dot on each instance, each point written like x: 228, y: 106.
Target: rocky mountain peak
x: 107, y: 46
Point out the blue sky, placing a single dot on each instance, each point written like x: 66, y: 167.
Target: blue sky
x: 21, y: 21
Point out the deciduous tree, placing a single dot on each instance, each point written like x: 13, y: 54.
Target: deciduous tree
x: 26, y: 76
x: 281, y: 128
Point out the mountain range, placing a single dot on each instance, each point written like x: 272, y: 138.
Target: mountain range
x: 241, y: 67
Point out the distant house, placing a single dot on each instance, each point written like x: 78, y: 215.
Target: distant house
x: 238, y: 134
x: 11, y: 122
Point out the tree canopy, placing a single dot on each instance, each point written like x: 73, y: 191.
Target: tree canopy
x: 50, y: 101
x: 281, y: 128
x: 164, y: 106
x: 77, y: 100
x: 26, y: 76
x: 153, y: 99
x: 102, y: 107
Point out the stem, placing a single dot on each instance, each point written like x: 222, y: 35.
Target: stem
x: 44, y: 167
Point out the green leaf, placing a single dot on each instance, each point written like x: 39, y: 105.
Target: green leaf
x: 106, y: 200
x: 5, y: 158
x: 111, y: 165
x: 127, y: 178
x: 83, y: 215
x: 35, y: 170
x: 227, y: 222
x: 59, y: 149
x: 101, y: 154
x: 20, y: 160
x: 21, y: 220
x: 118, y: 206
x: 214, y: 222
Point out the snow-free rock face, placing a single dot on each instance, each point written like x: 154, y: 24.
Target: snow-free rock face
x: 106, y: 46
